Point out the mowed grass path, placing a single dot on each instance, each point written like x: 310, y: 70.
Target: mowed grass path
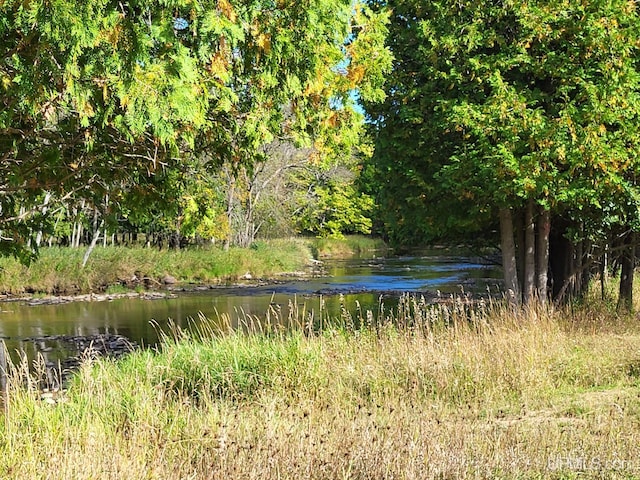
x: 447, y: 391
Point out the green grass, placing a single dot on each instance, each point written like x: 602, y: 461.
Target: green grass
x: 58, y: 270
x: 443, y: 391
x: 346, y: 247
x: 115, y: 269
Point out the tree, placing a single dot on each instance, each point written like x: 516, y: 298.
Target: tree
x: 332, y: 206
x: 523, y: 111
x: 90, y: 93
x: 292, y: 82
x: 96, y: 95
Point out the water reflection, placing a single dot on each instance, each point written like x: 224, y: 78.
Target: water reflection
x: 357, y: 283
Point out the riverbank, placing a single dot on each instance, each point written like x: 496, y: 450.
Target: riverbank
x: 434, y: 392
x: 121, y: 270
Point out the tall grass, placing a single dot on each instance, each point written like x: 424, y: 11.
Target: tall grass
x: 447, y: 391
x: 58, y: 270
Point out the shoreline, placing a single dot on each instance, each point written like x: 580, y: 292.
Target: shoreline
x: 162, y: 291
x: 111, y: 270
x: 116, y: 270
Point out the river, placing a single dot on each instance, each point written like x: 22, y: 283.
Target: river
x: 364, y: 281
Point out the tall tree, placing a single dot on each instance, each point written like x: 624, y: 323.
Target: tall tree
x: 529, y: 109
x: 89, y: 93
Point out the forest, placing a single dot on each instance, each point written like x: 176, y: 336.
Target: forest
x: 184, y: 121
x: 510, y: 124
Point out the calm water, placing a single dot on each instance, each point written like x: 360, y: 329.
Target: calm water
x: 363, y: 280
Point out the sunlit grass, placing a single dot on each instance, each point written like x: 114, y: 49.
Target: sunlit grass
x: 446, y: 391
x: 58, y: 270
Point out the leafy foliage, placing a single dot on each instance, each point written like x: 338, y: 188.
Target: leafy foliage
x: 491, y: 104
x: 97, y: 98
x: 337, y: 209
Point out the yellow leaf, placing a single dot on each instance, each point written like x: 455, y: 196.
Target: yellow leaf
x: 264, y: 42
x: 219, y: 66
x: 6, y: 81
x: 88, y: 110
x: 356, y: 74
x: 227, y: 10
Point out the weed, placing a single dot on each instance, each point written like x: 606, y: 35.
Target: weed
x: 116, y: 289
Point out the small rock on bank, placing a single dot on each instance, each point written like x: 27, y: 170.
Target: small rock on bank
x: 169, y: 280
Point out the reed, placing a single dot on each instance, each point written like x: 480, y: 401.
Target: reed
x: 454, y: 390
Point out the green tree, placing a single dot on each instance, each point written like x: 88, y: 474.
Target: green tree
x: 525, y: 112
x: 292, y: 78
x: 98, y: 95
x: 336, y: 208
x: 89, y: 93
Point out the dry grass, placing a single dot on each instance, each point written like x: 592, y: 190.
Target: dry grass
x: 450, y: 391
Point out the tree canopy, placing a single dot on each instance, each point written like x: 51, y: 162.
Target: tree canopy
x: 529, y: 109
x: 509, y: 122
x: 99, y: 96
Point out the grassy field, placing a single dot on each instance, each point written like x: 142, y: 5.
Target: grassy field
x: 447, y: 391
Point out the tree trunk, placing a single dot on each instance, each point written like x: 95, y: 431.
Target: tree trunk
x: 587, y: 256
x: 542, y: 253
x: 509, y: 256
x: 627, y: 266
x: 94, y: 241
x: 106, y: 209
x: 74, y: 226
x: 529, y: 288
x: 576, y: 269
x: 569, y: 269
x: 78, y: 221
x: 230, y: 208
x: 519, y: 228
x: 603, y: 271
x: 45, y: 208
x: 560, y: 253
